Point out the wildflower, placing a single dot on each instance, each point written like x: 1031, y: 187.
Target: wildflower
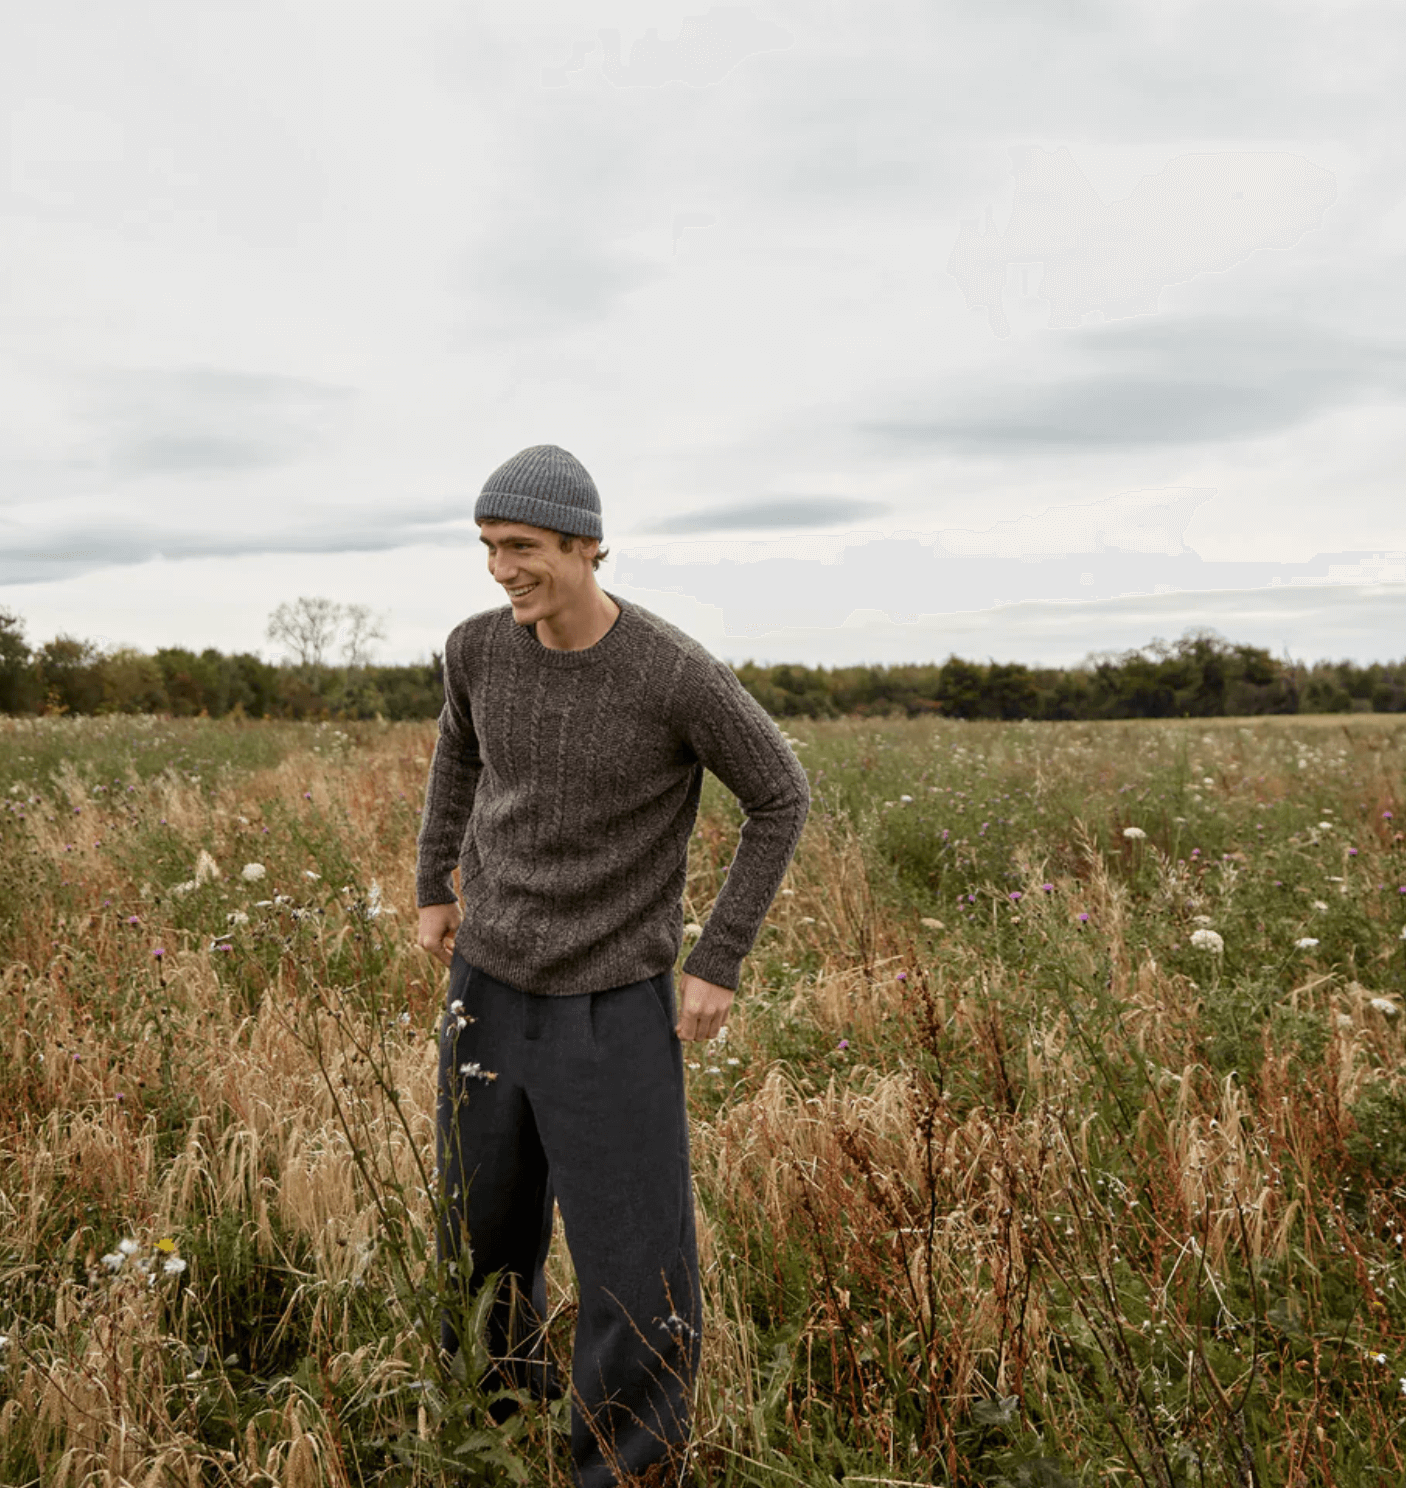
x: 1385, y: 1005
x: 1048, y: 888
x: 134, y: 919
x: 1306, y: 943
x: 308, y: 873
x: 1083, y: 919
x: 734, y: 1061
x: 712, y: 1070
x: 237, y: 918
x: 252, y: 872
x: 173, y: 1266
x: 1386, y: 816
x: 159, y: 952
x: 1379, y: 1358
x: 843, y: 1044
x: 166, y: 1246
x: 1015, y: 896
x: 1325, y: 826
x: 1352, y: 852
x: 307, y: 795
x: 1207, y: 940
x: 1134, y: 832
x: 1319, y: 904
x: 114, y: 1260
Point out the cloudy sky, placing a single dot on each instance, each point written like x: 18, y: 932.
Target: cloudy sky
x: 886, y: 329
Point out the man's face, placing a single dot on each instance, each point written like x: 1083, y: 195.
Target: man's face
x: 520, y: 555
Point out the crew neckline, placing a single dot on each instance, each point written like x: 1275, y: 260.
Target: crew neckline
x: 611, y: 643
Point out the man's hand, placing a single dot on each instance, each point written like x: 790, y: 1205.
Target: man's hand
x: 438, y: 922
x: 703, y: 1008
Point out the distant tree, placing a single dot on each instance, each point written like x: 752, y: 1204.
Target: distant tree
x: 362, y: 630
x: 960, y: 689
x: 17, y: 681
x: 308, y: 627
x: 132, y: 683
x: 1010, y: 691
x: 70, y: 675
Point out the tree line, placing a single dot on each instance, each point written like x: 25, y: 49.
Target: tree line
x: 1199, y: 676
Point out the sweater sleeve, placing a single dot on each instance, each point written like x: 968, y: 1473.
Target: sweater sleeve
x: 734, y: 737
x: 449, y: 791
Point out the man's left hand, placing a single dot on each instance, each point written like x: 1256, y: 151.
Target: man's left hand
x: 703, y: 1008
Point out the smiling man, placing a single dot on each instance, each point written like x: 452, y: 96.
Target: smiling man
x: 565, y: 785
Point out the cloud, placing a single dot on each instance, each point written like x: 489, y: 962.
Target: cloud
x: 134, y: 424
x: 1199, y: 213
x: 30, y: 555
x: 1184, y: 380
x: 706, y: 49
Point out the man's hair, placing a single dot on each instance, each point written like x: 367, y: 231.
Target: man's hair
x: 566, y: 547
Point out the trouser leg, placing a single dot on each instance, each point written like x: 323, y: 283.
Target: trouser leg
x: 496, y: 1194
x: 609, y: 1098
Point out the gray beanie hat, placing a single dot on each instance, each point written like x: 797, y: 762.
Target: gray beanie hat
x: 544, y: 486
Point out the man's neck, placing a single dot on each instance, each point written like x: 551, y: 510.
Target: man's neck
x: 580, y: 638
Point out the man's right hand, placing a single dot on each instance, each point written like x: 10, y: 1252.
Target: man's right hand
x: 438, y: 922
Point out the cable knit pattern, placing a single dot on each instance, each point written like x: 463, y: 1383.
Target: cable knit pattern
x: 566, y: 785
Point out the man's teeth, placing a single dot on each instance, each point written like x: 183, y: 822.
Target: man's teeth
x: 516, y: 592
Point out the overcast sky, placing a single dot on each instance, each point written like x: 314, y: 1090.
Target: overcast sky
x: 886, y: 330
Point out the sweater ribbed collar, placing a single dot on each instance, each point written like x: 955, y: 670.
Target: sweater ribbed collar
x: 611, y: 645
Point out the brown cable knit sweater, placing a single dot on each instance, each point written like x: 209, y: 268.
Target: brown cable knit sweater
x: 566, y: 785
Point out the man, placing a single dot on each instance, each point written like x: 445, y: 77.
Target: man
x: 565, y: 785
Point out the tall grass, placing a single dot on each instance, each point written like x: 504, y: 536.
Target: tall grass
x: 1002, y: 1179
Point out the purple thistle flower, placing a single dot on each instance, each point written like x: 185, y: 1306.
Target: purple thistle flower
x: 843, y: 1044
x: 1084, y: 919
x: 159, y: 952
x: 1048, y: 888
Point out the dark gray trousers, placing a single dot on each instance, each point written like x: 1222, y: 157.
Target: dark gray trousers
x: 587, y: 1107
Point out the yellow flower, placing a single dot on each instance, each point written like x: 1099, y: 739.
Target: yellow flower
x: 166, y: 1246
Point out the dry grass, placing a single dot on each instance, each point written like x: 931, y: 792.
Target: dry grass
x: 983, y: 1174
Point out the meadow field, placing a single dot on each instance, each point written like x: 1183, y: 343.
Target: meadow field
x: 1058, y: 1135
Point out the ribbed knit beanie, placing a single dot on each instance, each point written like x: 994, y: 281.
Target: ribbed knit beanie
x: 544, y: 486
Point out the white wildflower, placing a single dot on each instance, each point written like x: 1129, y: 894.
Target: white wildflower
x: 173, y: 1266
x: 1200, y: 919
x: 1385, y: 1005
x: 180, y: 890
x: 1306, y: 943
x: 308, y: 873
x: 1207, y: 940
x: 1319, y: 904
x: 128, y: 1247
x: 1134, y: 832
x: 114, y: 1260
x: 238, y: 917
x: 263, y: 904
x: 457, y: 1006
x: 252, y: 872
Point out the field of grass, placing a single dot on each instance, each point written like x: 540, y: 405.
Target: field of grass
x: 1058, y: 1135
